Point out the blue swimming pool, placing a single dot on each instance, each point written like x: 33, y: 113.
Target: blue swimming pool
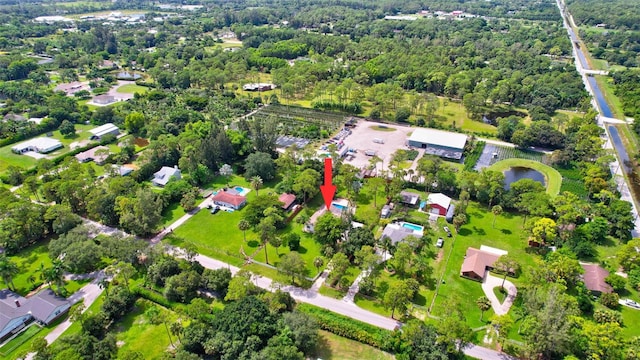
x: 241, y: 191
x: 423, y: 204
x: 339, y: 206
x: 414, y: 227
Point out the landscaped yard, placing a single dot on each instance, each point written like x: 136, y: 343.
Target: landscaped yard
x: 8, y: 158
x: 132, y: 89
x: 334, y: 347
x: 553, y: 179
x: 136, y: 333
x: 17, y: 341
x: 28, y: 261
x: 217, y: 235
x: 507, y: 235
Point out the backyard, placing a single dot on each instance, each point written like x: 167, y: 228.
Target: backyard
x: 224, y: 241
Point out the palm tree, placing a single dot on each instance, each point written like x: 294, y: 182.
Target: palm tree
x: 256, y: 183
x: 318, y: 262
x: 177, y: 329
x: 8, y: 269
x: 483, y: 304
x: 244, y: 225
x: 496, y: 210
x: 55, y: 274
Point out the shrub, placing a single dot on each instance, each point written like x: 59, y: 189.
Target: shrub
x: 352, y: 329
x: 610, y: 300
x: 472, y: 158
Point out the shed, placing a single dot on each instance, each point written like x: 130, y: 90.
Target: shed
x: 409, y: 198
x: 102, y: 130
x: 287, y: 200
x: 438, y: 203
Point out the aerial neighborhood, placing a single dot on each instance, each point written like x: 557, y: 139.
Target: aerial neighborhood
x: 319, y: 180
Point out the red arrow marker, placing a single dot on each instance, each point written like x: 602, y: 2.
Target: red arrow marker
x: 328, y: 190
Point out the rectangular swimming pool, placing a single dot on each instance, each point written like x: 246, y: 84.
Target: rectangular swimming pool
x: 241, y: 191
x: 339, y: 206
x: 414, y: 227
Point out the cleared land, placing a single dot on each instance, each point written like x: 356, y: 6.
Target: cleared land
x: 132, y: 89
x: 334, y: 347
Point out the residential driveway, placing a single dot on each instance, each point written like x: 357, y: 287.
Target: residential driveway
x: 88, y: 294
x: 489, y: 283
x: 478, y: 352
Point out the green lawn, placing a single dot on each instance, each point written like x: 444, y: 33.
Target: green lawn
x: 309, y: 249
x: 132, y: 89
x: 219, y: 237
x: 28, y: 261
x: 173, y: 212
x: 136, y: 333
x: 8, y: 158
x: 334, y: 347
x: 507, y: 235
x: 553, y: 179
x: 453, y: 113
x: 17, y: 341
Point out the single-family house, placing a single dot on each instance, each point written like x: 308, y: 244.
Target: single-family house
x: 97, y: 154
x: 122, y: 170
x: 287, y: 200
x: 166, y: 174
x: 102, y: 130
x: 233, y: 201
x: 41, y: 145
x: 16, y: 312
x: 438, y: 203
x: 14, y: 117
x: 477, y: 262
x: 396, y: 233
x: 409, y: 198
x: 593, y: 278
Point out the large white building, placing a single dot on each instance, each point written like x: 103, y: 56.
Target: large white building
x: 102, y: 130
x: 437, y: 142
x: 41, y: 145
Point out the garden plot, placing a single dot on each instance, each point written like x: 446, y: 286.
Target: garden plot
x: 493, y: 153
x: 291, y: 119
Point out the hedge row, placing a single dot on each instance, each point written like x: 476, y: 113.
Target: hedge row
x: 471, y: 159
x: 158, y: 298
x: 353, y: 329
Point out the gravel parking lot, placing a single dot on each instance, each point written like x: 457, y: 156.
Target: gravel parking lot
x: 363, y: 136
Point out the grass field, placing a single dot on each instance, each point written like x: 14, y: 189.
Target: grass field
x: 334, y: 347
x: 218, y: 235
x: 132, y: 88
x: 136, y: 333
x: 8, y: 158
x: 28, y: 261
x: 452, y: 113
x: 507, y: 235
x: 553, y: 179
x: 382, y: 128
x: 17, y: 341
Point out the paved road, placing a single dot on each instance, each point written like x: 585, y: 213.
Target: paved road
x: 479, y: 352
x: 310, y: 296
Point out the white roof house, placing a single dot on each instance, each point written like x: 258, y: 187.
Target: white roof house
x: 164, y: 175
x: 439, y: 138
x: 41, y: 145
x: 439, y: 199
x: 103, y: 130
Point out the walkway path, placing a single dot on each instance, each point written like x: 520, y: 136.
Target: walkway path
x: 355, y: 287
x: 489, y: 283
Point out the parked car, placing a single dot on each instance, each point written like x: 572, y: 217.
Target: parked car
x: 215, y: 209
x: 631, y: 303
x: 440, y: 242
x: 446, y: 228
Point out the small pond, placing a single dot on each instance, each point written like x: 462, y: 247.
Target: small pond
x: 518, y: 173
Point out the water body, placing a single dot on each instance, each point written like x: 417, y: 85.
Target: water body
x: 605, y: 110
x: 617, y: 143
x: 518, y: 173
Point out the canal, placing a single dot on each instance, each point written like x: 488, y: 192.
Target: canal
x: 604, y: 108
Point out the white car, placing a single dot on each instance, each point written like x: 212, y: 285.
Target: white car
x: 440, y: 242
x: 631, y: 303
